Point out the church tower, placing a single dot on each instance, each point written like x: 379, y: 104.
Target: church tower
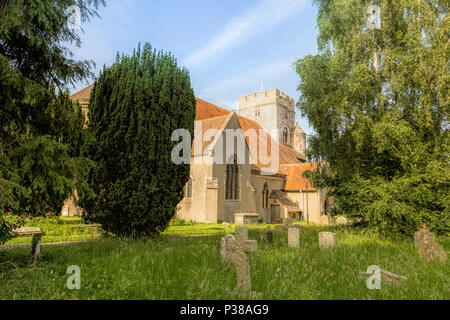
x: 273, y: 109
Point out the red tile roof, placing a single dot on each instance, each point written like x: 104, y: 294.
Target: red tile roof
x: 206, y: 110
x: 295, y: 180
x: 213, y: 117
x: 83, y: 95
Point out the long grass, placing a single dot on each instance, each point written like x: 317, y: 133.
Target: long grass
x: 58, y: 229
x: 180, y: 266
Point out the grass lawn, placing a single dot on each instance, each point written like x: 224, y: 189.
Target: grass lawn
x: 179, y: 266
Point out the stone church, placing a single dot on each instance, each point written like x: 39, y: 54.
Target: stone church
x: 245, y: 182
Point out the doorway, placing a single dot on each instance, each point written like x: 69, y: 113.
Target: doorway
x: 275, y: 216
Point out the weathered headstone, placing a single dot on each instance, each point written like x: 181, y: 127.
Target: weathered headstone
x: 428, y: 249
x: 324, y: 220
x: 287, y: 222
x: 266, y: 235
x: 279, y: 228
x: 384, y: 276
x: 293, y: 237
x: 225, y: 251
x: 36, y: 241
x: 327, y: 240
x: 341, y: 220
x: 36, y: 247
x: 236, y: 250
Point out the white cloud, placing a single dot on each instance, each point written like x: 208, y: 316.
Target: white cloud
x: 264, y: 16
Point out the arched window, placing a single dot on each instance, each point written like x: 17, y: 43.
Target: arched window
x: 232, y: 180
x: 285, y: 136
x: 265, y: 196
x: 188, y: 189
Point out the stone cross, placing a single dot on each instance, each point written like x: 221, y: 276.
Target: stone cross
x: 327, y: 240
x: 293, y: 237
x: 234, y: 250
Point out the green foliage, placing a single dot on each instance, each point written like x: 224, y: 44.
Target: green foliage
x: 177, y: 267
x: 40, y: 128
x: 135, y: 106
x: 8, y: 222
x: 379, y: 102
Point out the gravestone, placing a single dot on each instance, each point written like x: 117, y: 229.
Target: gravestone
x: 327, y: 240
x: 385, y: 276
x: 428, y: 249
x: 266, y: 235
x: 293, y: 237
x: 279, y: 228
x: 287, y: 222
x: 225, y: 252
x: 341, y: 220
x: 36, y: 247
x: 235, y: 250
x: 35, y: 242
x: 324, y: 220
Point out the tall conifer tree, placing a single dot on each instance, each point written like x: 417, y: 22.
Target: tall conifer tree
x: 135, y: 106
x: 40, y: 128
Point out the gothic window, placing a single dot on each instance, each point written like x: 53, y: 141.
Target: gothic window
x: 188, y: 189
x: 232, y: 180
x: 285, y: 135
x: 265, y: 196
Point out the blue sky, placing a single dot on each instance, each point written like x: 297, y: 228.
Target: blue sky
x: 229, y: 46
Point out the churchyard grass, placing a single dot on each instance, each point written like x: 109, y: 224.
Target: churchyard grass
x: 69, y: 229
x: 182, y: 266
x: 57, y: 230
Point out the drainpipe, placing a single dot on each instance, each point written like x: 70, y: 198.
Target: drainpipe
x: 303, y: 202
x: 307, y: 204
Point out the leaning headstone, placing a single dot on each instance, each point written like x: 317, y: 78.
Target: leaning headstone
x: 237, y: 249
x: 428, y: 249
x: 327, y: 240
x: 385, y: 276
x: 293, y: 237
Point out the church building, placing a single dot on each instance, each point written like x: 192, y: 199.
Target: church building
x: 262, y: 176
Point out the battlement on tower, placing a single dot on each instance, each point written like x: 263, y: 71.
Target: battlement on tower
x: 273, y: 96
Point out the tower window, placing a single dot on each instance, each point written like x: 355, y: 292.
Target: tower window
x: 188, y: 189
x: 285, y: 136
x: 265, y: 196
x: 232, y: 180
